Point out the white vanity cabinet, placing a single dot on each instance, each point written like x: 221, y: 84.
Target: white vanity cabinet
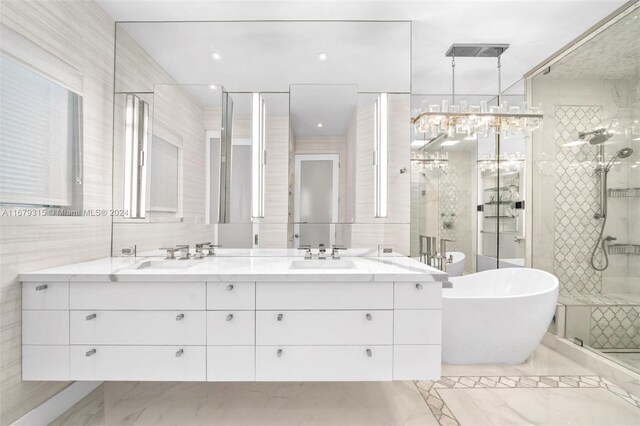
x: 137, y: 331
x: 232, y: 331
x: 231, y: 335
x: 45, y: 331
x: 417, y: 330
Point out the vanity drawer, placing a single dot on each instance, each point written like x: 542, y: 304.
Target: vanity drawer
x: 324, y: 295
x: 43, y: 295
x: 231, y: 363
x: 418, y: 295
x: 145, y: 363
x: 138, y: 328
x: 45, y: 363
x: 236, y: 296
x: 323, y: 363
x: 415, y: 327
x: 138, y: 296
x: 324, y: 327
x: 230, y: 327
x: 417, y: 362
x: 45, y: 327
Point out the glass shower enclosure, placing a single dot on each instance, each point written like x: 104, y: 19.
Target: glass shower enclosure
x: 586, y: 187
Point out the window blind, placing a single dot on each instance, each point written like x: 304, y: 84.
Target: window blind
x: 37, y: 138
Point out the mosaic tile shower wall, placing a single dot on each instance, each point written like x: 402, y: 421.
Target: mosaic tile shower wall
x: 576, y: 200
x: 615, y: 327
x: 449, y: 206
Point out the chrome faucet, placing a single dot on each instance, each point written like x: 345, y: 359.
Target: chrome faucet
x: 171, y: 252
x: 184, y: 251
x: 322, y: 252
x: 199, y: 247
x: 335, y: 251
x: 442, y: 256
x: 307, y: 248
x: 212, y: 249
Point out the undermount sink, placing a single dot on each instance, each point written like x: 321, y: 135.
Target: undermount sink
x: 322, y: 264
x: 163, y: 265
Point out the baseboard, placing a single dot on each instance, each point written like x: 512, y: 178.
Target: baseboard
x: 55, y: 406
x: 607, y: 369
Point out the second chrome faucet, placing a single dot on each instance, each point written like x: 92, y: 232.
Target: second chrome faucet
x: 322, y: 251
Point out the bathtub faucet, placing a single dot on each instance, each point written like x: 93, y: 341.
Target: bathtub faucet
x: 428, y: 250
x: 441, y: 258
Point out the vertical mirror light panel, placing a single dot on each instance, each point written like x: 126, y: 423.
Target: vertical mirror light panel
x: 135, y: 176
x: 381, y: 156
x: 258, y: 156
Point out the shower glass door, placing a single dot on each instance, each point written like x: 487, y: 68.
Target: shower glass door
x: 586, y: 188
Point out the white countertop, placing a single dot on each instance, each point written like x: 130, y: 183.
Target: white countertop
x: 267, y: 266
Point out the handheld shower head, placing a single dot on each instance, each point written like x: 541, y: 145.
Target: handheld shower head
x: 623, y: 153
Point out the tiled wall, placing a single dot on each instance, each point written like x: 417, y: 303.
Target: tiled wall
x: 577, y: 199
x: 448, y: 200
x: 82, y: 35
x: 615, y: 327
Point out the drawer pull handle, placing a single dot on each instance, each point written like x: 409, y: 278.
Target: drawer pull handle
x: 90, y: 317
x: 419, y: 286
x: 41, y: 287
x: 369, y: 317
x: 369, y: 354
x: 280, y: 316
x: 179, y: 317
x: 230, y: 287
x: 179, y: 353
x: 229, y: 317
x: 89, y: 353
x: 279, y: 353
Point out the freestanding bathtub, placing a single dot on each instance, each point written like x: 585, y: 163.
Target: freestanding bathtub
x: 497, y: 316
x: 455, y: 268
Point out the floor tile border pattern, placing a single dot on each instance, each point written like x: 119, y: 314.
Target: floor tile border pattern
x: 445, y: 417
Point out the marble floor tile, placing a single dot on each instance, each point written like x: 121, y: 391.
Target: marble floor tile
x: 551, y: 406
x: 630, y: 358
x: 543, y: 362
x: 350, y: 403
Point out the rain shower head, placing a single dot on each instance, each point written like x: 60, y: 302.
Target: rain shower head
x: 595, y: 137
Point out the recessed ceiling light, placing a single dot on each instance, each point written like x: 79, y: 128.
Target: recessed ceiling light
x: 216, y: 56
x: 449, y: 143
x: 322, y: 56
x: 213, y: 87
x: 319, y: 124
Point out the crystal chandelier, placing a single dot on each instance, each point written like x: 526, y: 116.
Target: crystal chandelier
x: 429, y: 162
x: 501, y: 119
x: 503, y: 163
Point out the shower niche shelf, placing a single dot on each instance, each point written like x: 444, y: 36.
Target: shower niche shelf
x: 624, y: 249
x: 624, y: 192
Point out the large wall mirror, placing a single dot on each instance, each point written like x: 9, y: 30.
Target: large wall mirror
x: 255, y: 135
